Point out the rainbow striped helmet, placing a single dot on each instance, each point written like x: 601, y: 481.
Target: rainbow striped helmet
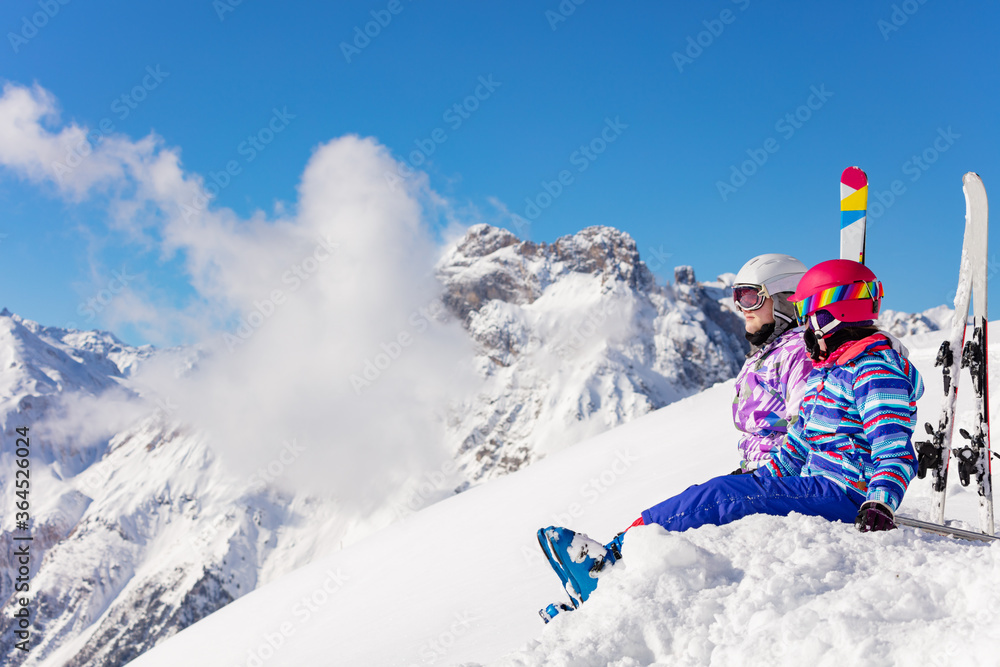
x: 846, y: 289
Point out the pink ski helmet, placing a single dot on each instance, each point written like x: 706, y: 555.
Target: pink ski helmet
x: 846, y: 289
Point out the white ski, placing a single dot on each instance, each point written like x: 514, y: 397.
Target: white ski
x: 943, y: 530
x: 974, y: 457
x: 955, y: 353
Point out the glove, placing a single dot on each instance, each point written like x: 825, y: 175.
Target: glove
x: 873, y: 516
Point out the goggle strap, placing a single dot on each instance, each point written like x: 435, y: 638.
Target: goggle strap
x: 818, y: 301
x: 820, y: 332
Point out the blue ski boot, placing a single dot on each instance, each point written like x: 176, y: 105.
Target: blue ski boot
x: 550, y: 612
x: 553, y: 609
x: 557, y: 567
x: 577, y: 559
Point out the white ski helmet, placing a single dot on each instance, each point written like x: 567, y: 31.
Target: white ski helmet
x: 776, y: 272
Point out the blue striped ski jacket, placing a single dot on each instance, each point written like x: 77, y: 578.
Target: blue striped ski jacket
x: 856, y: 422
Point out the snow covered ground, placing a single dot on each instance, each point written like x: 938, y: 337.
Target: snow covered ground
x: 459, y: 583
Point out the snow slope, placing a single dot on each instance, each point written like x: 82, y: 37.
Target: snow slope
x: 460, y: 582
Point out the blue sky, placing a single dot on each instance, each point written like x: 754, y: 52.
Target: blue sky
x: 666, y: 117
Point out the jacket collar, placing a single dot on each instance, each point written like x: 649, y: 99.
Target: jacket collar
x: 852, y: 349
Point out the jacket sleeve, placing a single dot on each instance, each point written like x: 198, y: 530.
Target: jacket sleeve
x: 788, y: 460
x: 768, y: 398
x: 794, y: 372
x: 757, y: 448
x: 789, y: 454
x: 885, y: 394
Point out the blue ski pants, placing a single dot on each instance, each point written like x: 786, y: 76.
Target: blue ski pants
x: 722, y: 500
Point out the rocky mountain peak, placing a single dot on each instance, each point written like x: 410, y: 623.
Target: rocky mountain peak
x: 684, y: 275
x: 490, y: 263
x: 604, y: 250
x: 482, y: 240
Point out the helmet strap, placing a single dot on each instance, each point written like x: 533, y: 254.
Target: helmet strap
x: 821, y: 332
x: 814, y: 337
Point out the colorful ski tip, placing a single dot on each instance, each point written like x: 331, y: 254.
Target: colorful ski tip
x: 853, y: 212
x: 853, y: 195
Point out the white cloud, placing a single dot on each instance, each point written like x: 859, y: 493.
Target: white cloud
x: 78, y: 422
x: 339, y: 286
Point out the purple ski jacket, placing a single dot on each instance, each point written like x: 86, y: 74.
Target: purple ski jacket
x: 769, y: 389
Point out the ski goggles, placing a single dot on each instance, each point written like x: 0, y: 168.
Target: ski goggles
x: 859, y: 290
x: 750, y: 297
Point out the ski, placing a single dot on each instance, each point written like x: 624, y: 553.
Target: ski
x: 933, y: 454
x: 943, y: 530
x: 973, y: 459
x: 853, y: 213
x: 956, y: 353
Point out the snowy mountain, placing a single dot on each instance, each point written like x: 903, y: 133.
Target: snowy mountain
x: 136, y: 530
x: 574, y: 338
x: 140, y: 530
x: 459, y: 583
x: 41, y: 367
x: 908, y: 324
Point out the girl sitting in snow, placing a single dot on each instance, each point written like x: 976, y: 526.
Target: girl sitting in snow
x: 772, y: 381
x: 848, y: 456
